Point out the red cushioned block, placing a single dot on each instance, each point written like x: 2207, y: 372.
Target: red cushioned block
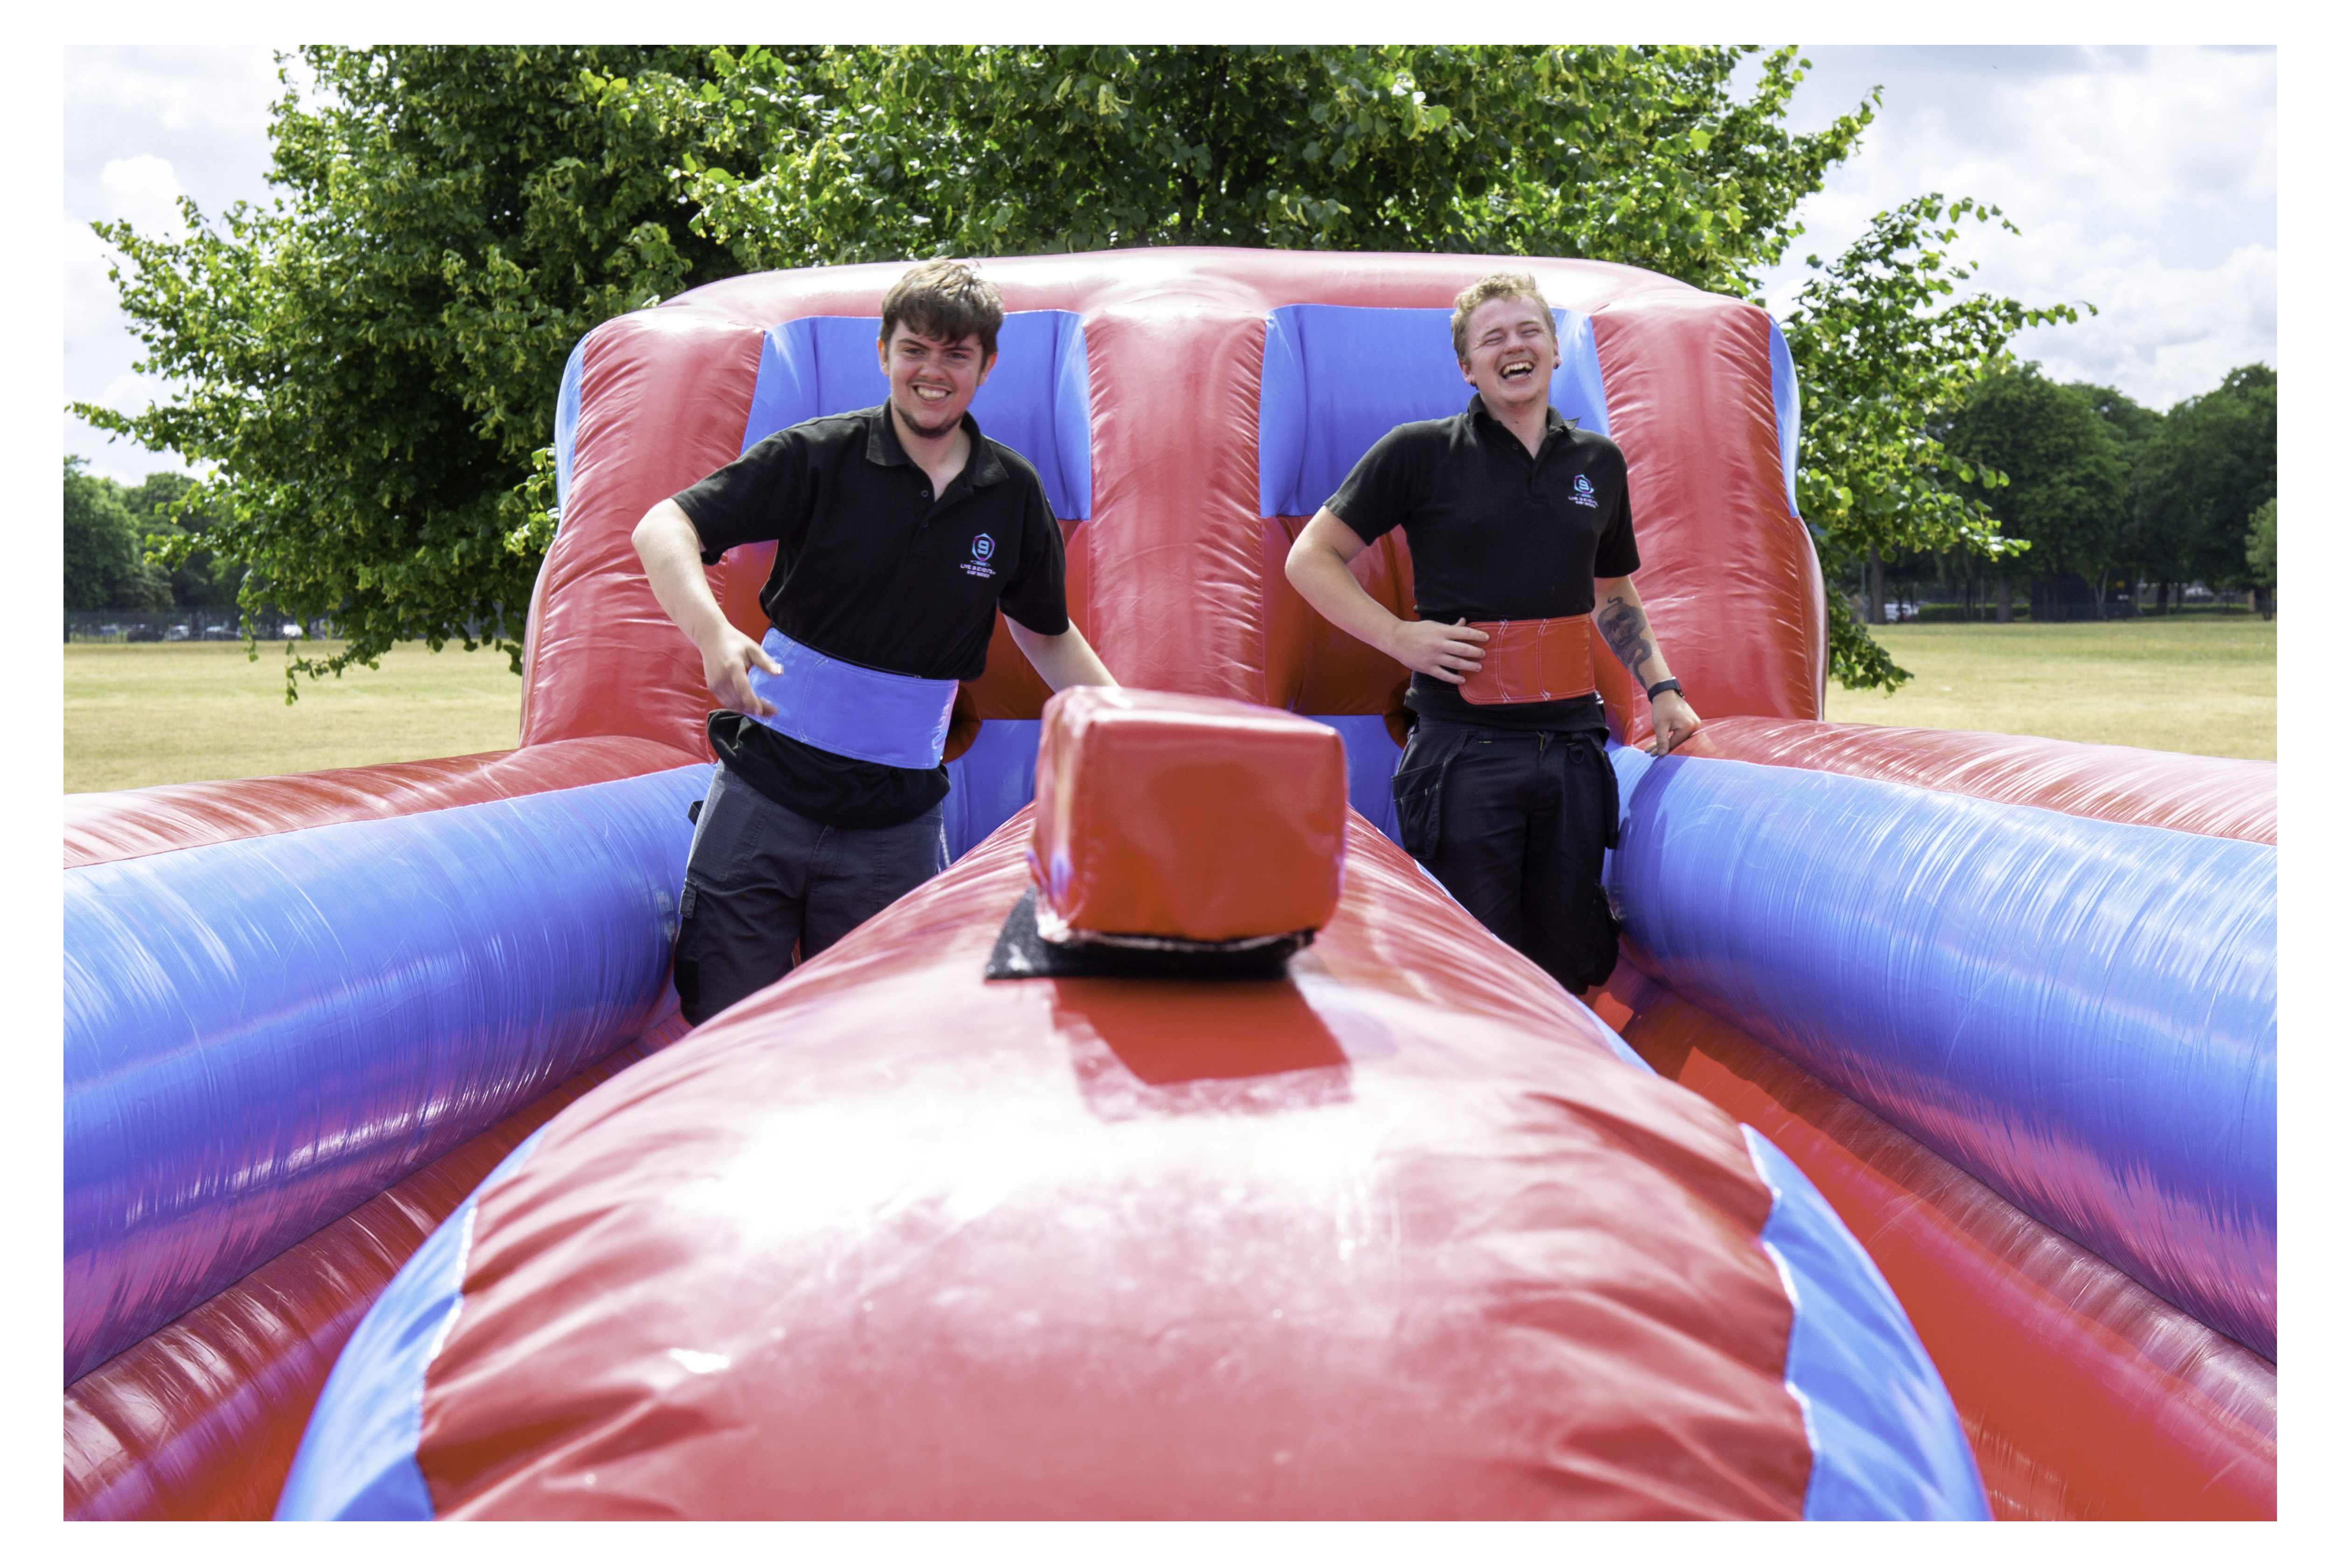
x: 1190, y: 817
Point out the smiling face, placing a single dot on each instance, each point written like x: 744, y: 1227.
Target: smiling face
x: 931, y: 379
x: 1509, y: 353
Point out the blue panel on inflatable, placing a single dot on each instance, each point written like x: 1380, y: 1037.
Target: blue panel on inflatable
x: 356, y: 1460
x: 990, y: 783
x: 565, y: 411
x: 1886, y: 1438
x: 1036, y: 400
x: 1787, y: 406
x: 2080, y: 1012
x: 261, y: 1034
x: 1337, y: 378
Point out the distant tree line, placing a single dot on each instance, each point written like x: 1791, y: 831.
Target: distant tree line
x: 2118, y: 505
x: 114, y: 530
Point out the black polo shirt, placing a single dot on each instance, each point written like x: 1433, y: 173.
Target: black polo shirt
x: 875, y: 569
x: 1496, y: 535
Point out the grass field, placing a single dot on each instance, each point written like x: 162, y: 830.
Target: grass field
x: 2201, y: 684
x: 167, y: 713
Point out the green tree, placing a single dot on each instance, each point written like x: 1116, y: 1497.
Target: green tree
x: 2064, y: 487
x: 371, y: 362
x: 1634, y: 155
x: 104, y: 567
x: 168, y: 507
x: 2261, y: 548
x: 2213, y: 466
x: 1884, y: 352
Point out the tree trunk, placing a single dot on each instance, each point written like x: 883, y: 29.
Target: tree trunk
x: 2161, y: 598
x: 1876, y: 587
x: 2005, y: 599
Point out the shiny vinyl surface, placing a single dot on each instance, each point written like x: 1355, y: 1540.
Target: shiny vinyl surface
x: 200, y: 1419
x: 1397, y: 1237
x: 2225, y: 797
x: 2085, y: 1395
x: 1192, y: 817
x: 261, y: 1034
x: 2080, y: 1012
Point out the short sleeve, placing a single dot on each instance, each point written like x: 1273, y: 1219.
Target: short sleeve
x: 1034, y: 599
x: 1379, y: 492
x: 764, y: 494
x: 1616, y: 556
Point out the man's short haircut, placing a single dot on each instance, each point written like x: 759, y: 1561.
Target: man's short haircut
x: 945, y: 299
x: 1496, y: 286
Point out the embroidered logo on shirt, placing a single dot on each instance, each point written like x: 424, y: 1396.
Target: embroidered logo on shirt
x: 978, y: 562
x: 1585, y: 496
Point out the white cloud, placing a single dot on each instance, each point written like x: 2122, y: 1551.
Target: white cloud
x: 2143, y: 181
x: 145, y: 190
x: 224, y: 90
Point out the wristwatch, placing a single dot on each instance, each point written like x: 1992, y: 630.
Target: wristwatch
x: 1667, y: 684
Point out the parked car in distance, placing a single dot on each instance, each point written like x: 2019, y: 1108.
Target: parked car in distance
x: 176, y: 635
x: 218, y: 634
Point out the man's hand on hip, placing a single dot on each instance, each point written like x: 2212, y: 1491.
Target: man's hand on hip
x: 727, y: 657
x: 1452, y: 654
x: 1673, y: 719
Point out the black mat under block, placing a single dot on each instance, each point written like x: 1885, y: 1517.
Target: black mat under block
x: 1020, y: 954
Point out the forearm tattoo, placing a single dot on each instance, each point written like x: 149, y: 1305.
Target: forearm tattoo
x: 1627, y: 632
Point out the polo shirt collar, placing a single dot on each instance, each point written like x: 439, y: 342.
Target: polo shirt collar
x: 1477, y: 410
x: 886, y: 450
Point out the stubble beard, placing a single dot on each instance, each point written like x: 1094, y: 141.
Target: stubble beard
x: 929, y: 432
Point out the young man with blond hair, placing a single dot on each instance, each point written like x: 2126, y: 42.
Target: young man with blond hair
x: 901, y: 529
x: 1522, y: 535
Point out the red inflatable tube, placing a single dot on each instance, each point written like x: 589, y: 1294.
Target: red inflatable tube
x: 200, y: 1420
x: 2223, y: 797
x: 1287, y: 1248
x: 2085, y: 1395
x: 122, y: 825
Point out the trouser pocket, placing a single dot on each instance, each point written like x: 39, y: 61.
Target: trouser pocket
x: 1417, y: 791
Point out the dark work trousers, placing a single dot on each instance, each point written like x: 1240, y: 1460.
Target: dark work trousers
x: 1513, y: 822
x: 762, y: 879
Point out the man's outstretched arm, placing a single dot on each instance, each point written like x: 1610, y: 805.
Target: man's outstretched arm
x: 1318, y: 566
x: 1625, y: 626
x: 667, y: 544
x: 1063, y: 660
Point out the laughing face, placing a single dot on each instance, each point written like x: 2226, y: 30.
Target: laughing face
x: 931, y: 379
x: 1511, y: 354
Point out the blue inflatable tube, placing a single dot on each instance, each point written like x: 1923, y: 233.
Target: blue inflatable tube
x: 2080, y: 1012
x: 262, y: 1034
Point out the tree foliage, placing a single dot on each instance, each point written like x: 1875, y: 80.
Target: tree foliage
x: 1634, y: 155
x: 2065, y: 487
x: 2211, y: 468
x: 371, y: 360
x: 119, y: 537
x: 1884, y: 350
x: 2260, y: 548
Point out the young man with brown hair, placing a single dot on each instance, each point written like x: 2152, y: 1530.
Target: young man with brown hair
x: 901, y: 528
x: 1522, y: 535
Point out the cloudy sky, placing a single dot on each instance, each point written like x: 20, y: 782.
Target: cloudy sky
x: 2144, y: 180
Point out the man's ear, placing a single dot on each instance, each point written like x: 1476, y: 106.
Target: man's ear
x: 1467, y: 379
x: 984, y: 374
x: 881, y: 354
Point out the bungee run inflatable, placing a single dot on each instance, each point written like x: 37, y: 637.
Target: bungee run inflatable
x: 1183, y: 1150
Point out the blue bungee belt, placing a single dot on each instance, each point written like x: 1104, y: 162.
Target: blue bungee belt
x: 851, y: 709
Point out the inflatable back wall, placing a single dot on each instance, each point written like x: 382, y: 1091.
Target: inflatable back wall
x: 1189, y: 410
x: 1965, y: 1173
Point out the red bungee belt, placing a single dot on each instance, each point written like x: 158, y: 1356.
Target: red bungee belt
x: 1532, y: 662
